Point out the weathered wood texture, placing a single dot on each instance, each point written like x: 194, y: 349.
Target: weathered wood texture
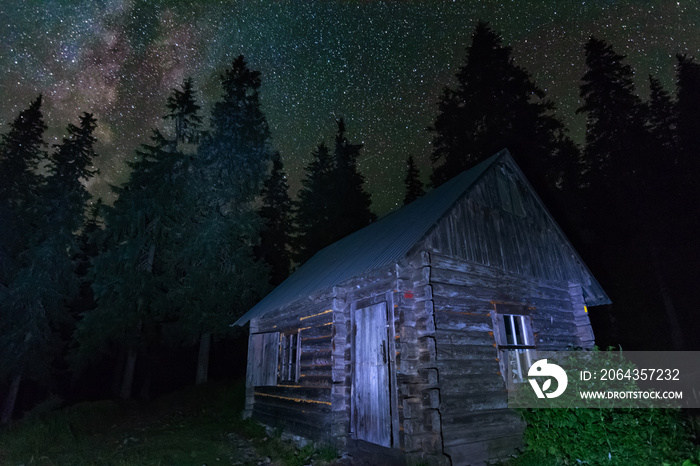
x: 261, y: 370
x: 368, y: 291
x: 476, y: 424
x: 371, y: 404
x: 429, y: 380
x: 302, y: 408
x: 584, y: 331
x: 485, y: 228
x: 417, y: 374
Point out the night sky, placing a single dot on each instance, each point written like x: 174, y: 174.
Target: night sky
x: 381, y: 65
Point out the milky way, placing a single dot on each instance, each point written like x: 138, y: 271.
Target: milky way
x: 381, y: 65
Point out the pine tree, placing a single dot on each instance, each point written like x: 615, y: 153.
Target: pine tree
x: 35, y: 305
x: 661, y: 116
x: 222, y: 277
x: 184, y: 111
x: 332, y: 202
x: 277, y: 222
x: 414, y: 186
x: 688, y: 99
x: 314, y: 205
x: 25, y: 337
x: 353, y: 204
x: 614, y: 138
x: 135, y: 268
x: 496, y: 105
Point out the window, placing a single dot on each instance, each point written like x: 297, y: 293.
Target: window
x: 289, y: 357
x: 515, y: 341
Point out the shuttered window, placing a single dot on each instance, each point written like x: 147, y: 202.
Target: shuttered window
x: 515, y: 341
x: 262, y: 365
x: 290, y: 352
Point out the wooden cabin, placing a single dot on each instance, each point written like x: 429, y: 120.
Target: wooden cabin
x: 393, y: 341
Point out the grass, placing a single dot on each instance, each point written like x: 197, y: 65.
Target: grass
x: 196, y: 426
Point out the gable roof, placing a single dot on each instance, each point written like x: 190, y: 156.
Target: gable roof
x: 383, y: 242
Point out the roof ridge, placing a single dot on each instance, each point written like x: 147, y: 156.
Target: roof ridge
x: 380, y: 243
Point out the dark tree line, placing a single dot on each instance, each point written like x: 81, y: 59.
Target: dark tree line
x: 200, y: 231
x: 332, y: 202
x: 627, y: 198
x: 41, y: 214
x: 205, y: 225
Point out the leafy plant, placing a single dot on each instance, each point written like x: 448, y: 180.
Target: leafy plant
x: 600, y: 434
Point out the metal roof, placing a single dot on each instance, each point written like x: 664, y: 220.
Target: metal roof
x: 379, y: 244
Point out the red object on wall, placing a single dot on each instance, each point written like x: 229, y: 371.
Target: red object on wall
x: 408, y: 295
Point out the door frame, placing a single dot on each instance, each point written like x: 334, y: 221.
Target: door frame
x: 388, y: 301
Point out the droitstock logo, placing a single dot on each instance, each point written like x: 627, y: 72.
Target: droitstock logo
x: 542, y: 368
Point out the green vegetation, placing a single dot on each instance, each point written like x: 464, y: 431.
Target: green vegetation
x: 608, y: 436
x: 612, y: 436
x: 199, y: 425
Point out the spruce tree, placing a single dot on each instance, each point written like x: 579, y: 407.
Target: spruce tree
x: 353, y: 204
x: 614, y: 138
x: 332, y: 202
x: 222, y: 277
x: 661, y: 114
x: 662, y: 164
x: 34, y: 307
x: 314, y: 206
x: 137, y: 270
x: 688, y: 100
x: 64, y: 200
x: 414, y: 186
x: 496, y: 105
x: 25, y: 338
x: 688, y: 133
x: 276, y: 214
x: 21, y: 151
x: 683, y: 262
x: 184, y: 111
x: 622, y: 170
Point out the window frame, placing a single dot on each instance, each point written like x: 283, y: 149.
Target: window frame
x: 515, y: 341
x: 288, y: 370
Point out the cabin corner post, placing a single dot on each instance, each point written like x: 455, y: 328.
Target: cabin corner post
x: 340, y: 378
x: 584, y: 332
x: 249, y: 389
x: 420, y: 394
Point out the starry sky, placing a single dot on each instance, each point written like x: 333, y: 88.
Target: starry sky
x: 379, y: 64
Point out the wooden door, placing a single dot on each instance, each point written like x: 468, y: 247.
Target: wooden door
x: 371, y: 413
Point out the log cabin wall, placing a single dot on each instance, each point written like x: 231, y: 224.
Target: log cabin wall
x: 360, y: 292
x: 497, y: 245
x: 418, y: 387
x: 301, y: 407
x: 476, y: 424
x: 414, y: 399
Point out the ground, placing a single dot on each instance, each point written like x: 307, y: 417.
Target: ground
x: 194, y: 427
